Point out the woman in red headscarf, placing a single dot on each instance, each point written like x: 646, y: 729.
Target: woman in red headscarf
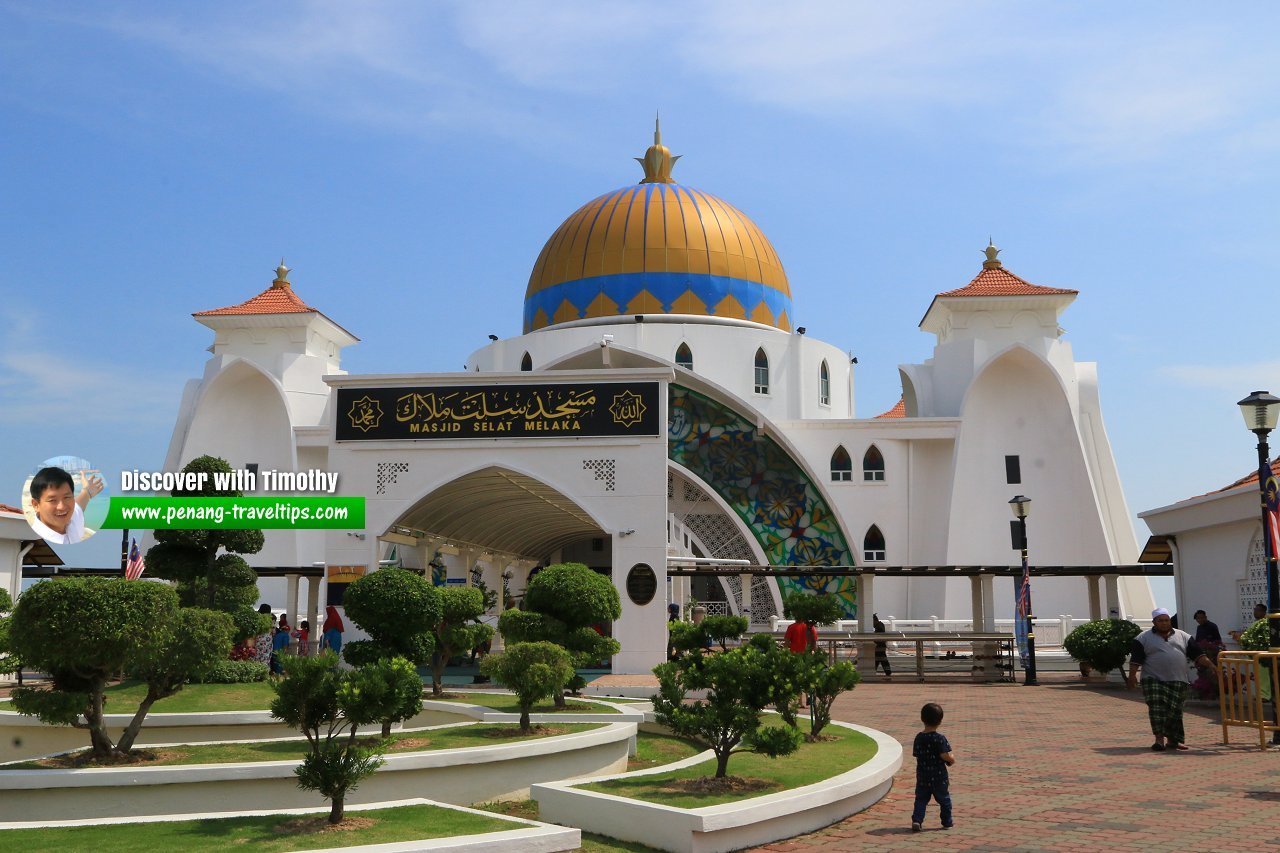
x: 332, y: 629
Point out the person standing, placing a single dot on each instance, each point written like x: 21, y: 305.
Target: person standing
x: 800, y: 638
x: 1161, y: 653
x: 331, y: 630
x: 933, y: 756
x: 1208, y: 636
x: 882, y: 649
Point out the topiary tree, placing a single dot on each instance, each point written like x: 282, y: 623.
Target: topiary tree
x: 739, y: 684
x: 532, y: 671
x: 561, y: 604
x: 399, y: 609
x: 204, y: 577
x: 818, y: 609
x: 189, y: 645
x: 1103, y: 644
x: 790, y: 675
x: 457, y: 631
x: 8, y: 660
x: 328, y: 707
x: 83, y: 631
x: 824, y: 682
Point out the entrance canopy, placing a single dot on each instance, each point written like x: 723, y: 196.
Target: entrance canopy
x: 499, y: 510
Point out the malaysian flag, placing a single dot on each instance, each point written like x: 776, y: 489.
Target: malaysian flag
x: 1271, y: 503
x: 134, y: 568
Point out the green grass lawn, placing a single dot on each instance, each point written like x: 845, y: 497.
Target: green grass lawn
x: 459, y: 737
x: 194, y: 698
x: 655, y: 750
x: 506, y: 703
x: 652, y: 750
x: 257, y: 833
x: 813, y: 762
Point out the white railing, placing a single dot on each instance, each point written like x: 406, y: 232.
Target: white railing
x: 1050, y: 631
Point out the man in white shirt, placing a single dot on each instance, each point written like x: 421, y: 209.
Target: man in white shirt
x: 59, y: 511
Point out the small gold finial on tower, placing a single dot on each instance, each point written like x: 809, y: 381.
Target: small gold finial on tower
x: 658, y: 160
x: 282, y: 276
x: 992, y: 262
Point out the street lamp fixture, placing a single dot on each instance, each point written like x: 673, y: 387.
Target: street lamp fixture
x: 1261, y: 410
x: 1021, y: 506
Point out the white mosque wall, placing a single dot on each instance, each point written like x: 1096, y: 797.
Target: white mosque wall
x: 638, y: 503
x: 1217, y: 555
x: 722, y: 353
x: 13, y: 530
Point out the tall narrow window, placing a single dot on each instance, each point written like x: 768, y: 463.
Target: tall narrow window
x: 873, y: 546
x: 841, y: 466
x: 872, y: 465
x: 526, y: 363
x: 762, y: 372
x: 824, y: 385
x: 684, y: 357
x: 1012, y: 470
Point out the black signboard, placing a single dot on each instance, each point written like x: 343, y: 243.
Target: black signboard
x: 642, y: 584
x: 545, y: 410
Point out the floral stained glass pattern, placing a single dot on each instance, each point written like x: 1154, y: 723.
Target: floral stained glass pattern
x: 765, y: 487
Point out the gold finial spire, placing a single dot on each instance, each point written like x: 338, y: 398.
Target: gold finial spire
x: 282, y: 276
x: 991, y: 263
x: 658, y: 160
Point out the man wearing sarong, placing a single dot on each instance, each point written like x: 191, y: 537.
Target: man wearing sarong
x: 1162, y: 653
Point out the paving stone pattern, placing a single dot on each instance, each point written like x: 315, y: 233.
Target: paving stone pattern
x: 1062, y: 766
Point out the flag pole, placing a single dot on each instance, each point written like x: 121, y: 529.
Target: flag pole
x: 124, y: 549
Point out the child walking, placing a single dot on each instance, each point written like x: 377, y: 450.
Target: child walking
x: 933, y: 757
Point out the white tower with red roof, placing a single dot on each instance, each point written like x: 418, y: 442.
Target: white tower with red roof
x: 261, y: 401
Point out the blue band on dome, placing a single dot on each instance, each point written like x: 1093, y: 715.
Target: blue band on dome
x: 665, y: 287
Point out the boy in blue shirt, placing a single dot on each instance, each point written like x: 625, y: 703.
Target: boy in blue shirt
x: 933, y: 757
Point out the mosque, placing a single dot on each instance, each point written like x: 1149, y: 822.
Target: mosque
x: 662, y: 408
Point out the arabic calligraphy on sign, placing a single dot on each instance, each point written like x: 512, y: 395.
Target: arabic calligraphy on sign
x: 544, y: 410
x: 495, y: 405
x: 627, y: 408
x: 365, y: 414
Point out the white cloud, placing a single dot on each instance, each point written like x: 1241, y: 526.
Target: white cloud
x: 43, y: 381
x: 1125, y: 86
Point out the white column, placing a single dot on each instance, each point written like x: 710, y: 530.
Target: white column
x: 988, y: 604
x: 291, y: 607
x: 1095, y: 598
x: 313, y: 612
x: 977, y: 604
x: 1113, y: 596
x: 866, y: 602
x: 744, y: 596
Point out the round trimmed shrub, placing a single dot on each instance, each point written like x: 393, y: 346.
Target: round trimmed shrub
x: 1102, y: 644
x: 232, y: 672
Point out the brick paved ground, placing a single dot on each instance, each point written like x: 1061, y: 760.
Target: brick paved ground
x: 1062, y: 766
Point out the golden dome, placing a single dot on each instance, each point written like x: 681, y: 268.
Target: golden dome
x: 657, y: 248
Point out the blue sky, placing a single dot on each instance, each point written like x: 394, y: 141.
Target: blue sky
x: 409, y: 160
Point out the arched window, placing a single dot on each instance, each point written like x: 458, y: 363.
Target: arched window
x: 824, y: 384
x: 841, y: 466
x: 526, y: 363
x: 762, y: 372
x: 684, y: 357
x: 873, y: 546
x: 872, y: 465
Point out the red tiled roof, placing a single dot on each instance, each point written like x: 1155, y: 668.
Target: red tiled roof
x: 274, y: 300
x: 1001, y: 282
x: 1251, y: 477
x: 7, y: 508
x: 899, y: 410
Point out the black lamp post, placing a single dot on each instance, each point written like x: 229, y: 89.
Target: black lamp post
x: 1021, y: 506
x: 1261, y: 410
